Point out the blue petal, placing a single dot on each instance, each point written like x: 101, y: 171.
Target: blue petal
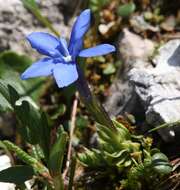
x: 80, y: 28
x: 63, y: 47
x: 97, y: 51
x: 44, y: 43
x: 65, y: 74
x: 76, y: 49
x: 40, y: 68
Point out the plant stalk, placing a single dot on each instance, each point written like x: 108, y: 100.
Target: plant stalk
x: 91, y: 102
x: 58, y: 182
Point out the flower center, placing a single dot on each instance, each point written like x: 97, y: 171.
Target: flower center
x: 68, y: 58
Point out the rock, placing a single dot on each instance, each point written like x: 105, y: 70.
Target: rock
x: 149, y: 91
x: 5, y: 162
x: 16, y: 22
x: 134, y: 52
x: 140, y: 25
x: 159, y: 89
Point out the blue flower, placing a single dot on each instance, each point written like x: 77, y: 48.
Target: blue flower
x: 60, y: 60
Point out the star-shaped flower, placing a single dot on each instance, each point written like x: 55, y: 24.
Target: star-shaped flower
x: 61, y: 57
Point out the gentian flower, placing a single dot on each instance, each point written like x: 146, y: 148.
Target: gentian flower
x: 60, y: 60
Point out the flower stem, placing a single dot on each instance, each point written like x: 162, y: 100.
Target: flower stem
x: 91, y: 102
x: 58, y: 183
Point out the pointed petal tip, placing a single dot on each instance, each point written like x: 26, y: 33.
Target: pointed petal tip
x: 44, y: 43
x: 86, y: 14
x: 113, y: 48
x: 98, y: 50
x: 23, y: 76
x: 87, y: 11
x: 31, y: 35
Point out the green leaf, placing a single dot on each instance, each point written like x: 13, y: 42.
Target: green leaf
x: 61, y: 111
x: 30, y: 4
x: 91, y: 158
x: 126, y: 10
x: 161, y: 163
x: 34, y: 126
x: 96, y: 5
x: 57, y: 154
x: 30, y: 119
x: 45, y: 135
x: 4, y: 104
x: 82, y: 122
x: 4, y: 91
x: 14, y: 61
x: 122, y: 130
x: 163, y: 169
x: 110, y: 69
x: 16, y: 174
x: 4, y: 97
x: 26, y: 158
x: 11, y: 66
x: 159, y: 157
x: 14, y: 96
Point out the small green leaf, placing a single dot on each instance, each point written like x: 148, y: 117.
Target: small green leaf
x: 30, y: 119
x: 159, y: 157
x: 4, y: 91
x: 11, y: 65
x: 91, y: 158
x: 45, y: 135
x: 34, y: 125
x: 16, y: 174
x: 96, y: 5
x: 163, y: 169
x: 26, y: 158
x: 4, y: 104
x: 57, y: 154
x: 61, y: 111
x: 110, y: 69
x: 126, y: 10
x: 122, y: 130
x: 82, y: 122
x: 14, y: 96
x: 161, y: 163
x: 14, y: 61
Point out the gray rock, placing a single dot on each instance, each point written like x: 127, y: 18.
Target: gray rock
x: 159, y: 88
x: 134, y: 52
x: 16, y: 22
x: 145, y: 89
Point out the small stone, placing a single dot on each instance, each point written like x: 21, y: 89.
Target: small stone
x: 5, y: 163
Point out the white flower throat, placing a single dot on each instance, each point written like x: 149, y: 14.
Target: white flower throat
x: 68, y: 58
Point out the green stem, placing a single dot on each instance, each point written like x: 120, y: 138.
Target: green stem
x: 44, y: 21
x: 58, y: 182
x: 164, y: 126
x: 91, y: 102
x: 32, y: 6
